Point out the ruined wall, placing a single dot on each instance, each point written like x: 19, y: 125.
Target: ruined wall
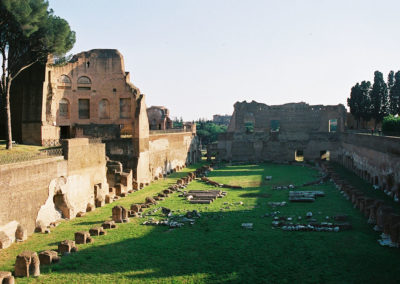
x: 159, y: 118
x: 374, y: 158
x: 261, y: 132
x: 43, y: 191
x: 26, y: 102
x: 168, y: 151
x: 77, y: 99
x: 24, y: 188
x: 121, y: 150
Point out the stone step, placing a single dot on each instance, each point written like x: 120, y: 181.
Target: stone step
x: 202, y: 201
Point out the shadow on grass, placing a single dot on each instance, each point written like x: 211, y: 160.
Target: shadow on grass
x: 217, y: 249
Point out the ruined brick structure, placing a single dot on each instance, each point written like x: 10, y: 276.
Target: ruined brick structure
x: 39, y: 192
x: 298, y: 131
x: 221, y: 119
x: 259, y: 132
x: 159, y: 118
x: 92, y: 96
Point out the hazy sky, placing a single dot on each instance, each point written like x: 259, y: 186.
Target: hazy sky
x: 199, y: 57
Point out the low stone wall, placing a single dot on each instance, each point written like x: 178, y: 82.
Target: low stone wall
x: 168, y: 151
x: 163, y: 152
x: 374, y: 158
x: 121, y: 150
x: 42, y: 191
x: 274, y: 146
x: 24, y: 188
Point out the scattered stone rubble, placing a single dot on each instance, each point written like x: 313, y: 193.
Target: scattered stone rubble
x: 175, y: 221
x: 287, y: 223
x: 203, y: 196
x: 284, y: 187
x: 304, y: 196
x: 379, y: 214
x: 6, y: 277
x: 214, y: 183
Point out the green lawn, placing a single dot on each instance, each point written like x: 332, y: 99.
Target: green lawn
x: 216, y: 248
x: 21, y: 153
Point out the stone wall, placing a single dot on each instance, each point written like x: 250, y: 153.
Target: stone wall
x: 260, y: 132
x: 374, y: 158
x: 91, y: 95
x: 161, y: 153
x: 172, y: 150
x: 43, y: 191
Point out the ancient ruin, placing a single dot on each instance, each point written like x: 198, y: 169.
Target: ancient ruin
x: 299, y: 132
x: 159, y: 118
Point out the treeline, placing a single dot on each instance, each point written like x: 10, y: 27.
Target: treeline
x: 376, y: 101
x: 207, y: 130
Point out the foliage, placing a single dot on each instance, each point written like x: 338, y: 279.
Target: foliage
x: 376, y: 102
x: 394, y: 95
x: 177, y: 123
x: 28, y: 33
x: 391, y: 125
x: 360, y: 101
x: 208, y: 131
x: 216, y: 249
x: 379, y: 98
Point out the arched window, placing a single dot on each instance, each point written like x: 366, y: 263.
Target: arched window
x: 64, y: 82
x: 84, y: 80
x: 104, y: 109
x: 84, y: 83
x: 64, y: 108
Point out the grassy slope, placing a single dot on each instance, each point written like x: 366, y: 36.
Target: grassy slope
x: 216, y: 248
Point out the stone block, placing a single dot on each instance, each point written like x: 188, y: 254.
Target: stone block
x: 383, y: 212
x: 5, y: 241
x: 390, y: 221
x: 136, y: 208
x: 108, y: 199
x: 21, y: 234
x: 83, y: 238
x: 99, y: 202
x: 109, y: 225
x: 150, y: 200
x: 90, y: 207
x: 97, y: 231
x: 40, y: 227
x: 27, y: 264
x: 48, y: 257
x: 6, y: 277
x: 120, y: 214
x: 81, y: 214
x: 119, y: 189
x: 67, y: 246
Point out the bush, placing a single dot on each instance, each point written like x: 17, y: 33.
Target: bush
x: 391, y: 125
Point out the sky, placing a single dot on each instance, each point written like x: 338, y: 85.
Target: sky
x: 198, y: 58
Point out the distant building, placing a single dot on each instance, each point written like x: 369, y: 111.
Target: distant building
x: 222, y: 119
x: 159, y: 118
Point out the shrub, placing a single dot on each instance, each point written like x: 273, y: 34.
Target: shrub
x: 391, y: 125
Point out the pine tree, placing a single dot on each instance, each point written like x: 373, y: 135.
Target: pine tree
x: 379, y: 98
x: 394, y: 95
x: 354, y: 102
x: 28, y: 33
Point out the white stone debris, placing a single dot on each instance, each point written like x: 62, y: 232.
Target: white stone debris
x: 247, y: 225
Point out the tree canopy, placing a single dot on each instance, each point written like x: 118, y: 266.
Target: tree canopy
x: 29, y: 32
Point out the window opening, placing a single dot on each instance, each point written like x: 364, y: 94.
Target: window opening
x: 299, y: 156
x: 84, y: 108
x: 275, y: 125
x: 332, y: 125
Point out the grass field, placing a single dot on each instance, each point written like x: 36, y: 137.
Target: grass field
x: 216, y: 249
